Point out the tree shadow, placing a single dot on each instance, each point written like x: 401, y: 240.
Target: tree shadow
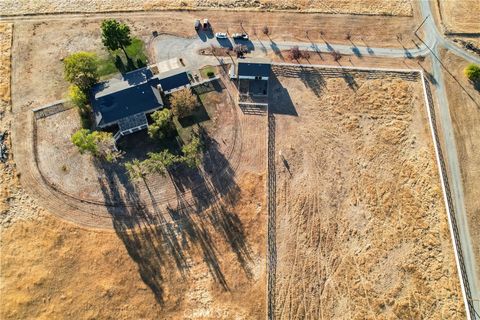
x: 164, y: 240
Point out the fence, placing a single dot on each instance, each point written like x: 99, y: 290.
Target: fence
x: 51, y: 109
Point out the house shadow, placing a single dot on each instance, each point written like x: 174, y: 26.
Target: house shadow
x: 279, y: 100
x: 165, y: 241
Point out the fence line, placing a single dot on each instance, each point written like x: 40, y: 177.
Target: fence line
x: 271, y: 229
x: 452, y: 221
x: 51, y: 109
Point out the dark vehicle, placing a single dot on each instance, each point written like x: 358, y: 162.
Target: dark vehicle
x: 206, y: 24
x: 198, y: 25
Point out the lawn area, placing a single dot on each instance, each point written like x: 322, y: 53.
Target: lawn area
x: 208, y: 72
x: 115, y: 61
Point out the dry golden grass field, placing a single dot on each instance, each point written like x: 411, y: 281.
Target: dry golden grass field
x: 460, y: 15
x: 376, y: 7
x: 361, y: 227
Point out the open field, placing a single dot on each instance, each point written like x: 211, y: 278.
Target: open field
x: 51, y: 269
x: 464, y: 104
x: 361, y: 228
x: 460, y: 16
x: 371, y: 7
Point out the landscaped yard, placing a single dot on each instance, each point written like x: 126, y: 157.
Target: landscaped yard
x: 115, y: 61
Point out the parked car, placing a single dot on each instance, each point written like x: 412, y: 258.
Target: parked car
x: 197, y: 24
x: 221, y: 35
x: 243, y: 36
x: 206, y: 24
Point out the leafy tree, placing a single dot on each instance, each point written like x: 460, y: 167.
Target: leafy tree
x: 80, y: 69
x: 192, y: 152
x: 97, y: 143
x: 115, y: 35
x: 163, y: 124
x: 183, y: 102
x: 77, y: 97
x: 472, y: 72
x: 85, y: 142
x: 160, y: 162
x: 106, y: 145
x: 135, y: 169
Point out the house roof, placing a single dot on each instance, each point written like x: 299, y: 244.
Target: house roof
x: 254, y: 67
x: 136, y: 92
x: 172, y: 79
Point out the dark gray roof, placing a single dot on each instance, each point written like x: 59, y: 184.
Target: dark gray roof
x: 135, y: 93
x: 254, y: 68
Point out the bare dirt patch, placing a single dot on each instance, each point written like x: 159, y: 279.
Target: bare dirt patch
x: 374, y: 7
x: 460, y: 15
x: 464, y: 104
x: 361, y: 226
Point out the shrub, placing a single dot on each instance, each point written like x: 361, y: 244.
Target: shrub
x: 80, y: 69
x: 97, y: 143
x: 183, y: 102
x: 77, y: 96
x: 472, y: 72
x: 210, y: 74
x: 295, y: 53
x: 162, y: 125
x: 266, y: 31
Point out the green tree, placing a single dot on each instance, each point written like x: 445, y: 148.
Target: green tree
x: 115, y: 35
x: 192, y: 152
x: 85, y: 142
x: 106, y: 147
x: 97, y: 143
x: 77, y: 97
x: 183, y: 102
x: 160, y: 162
x: 162, y: 125
x: 472, y: 72
x: 135, y: 169
x: 80, y: 69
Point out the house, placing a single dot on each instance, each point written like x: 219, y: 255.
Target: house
x: 253, y: 75
x: 123, y: 104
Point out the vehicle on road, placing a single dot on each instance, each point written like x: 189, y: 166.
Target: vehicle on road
x: 197, y: 24
x: 221, y: 35
x: 206, y: 24
x: 242, y: 36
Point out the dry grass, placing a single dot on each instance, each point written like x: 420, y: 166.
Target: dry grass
x: 6, y: 30
x: 51, y: 270
x: 460, y: 15
x: 362, y: 231
x: 376, y: 7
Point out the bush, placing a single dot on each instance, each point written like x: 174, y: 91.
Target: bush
x: 162, y: 125
x: 183, y: 102
x: 77, y: 96
x: 97, y: 143
x: 472, y: 72
x: 80, y: 69
x: 210, y: 74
